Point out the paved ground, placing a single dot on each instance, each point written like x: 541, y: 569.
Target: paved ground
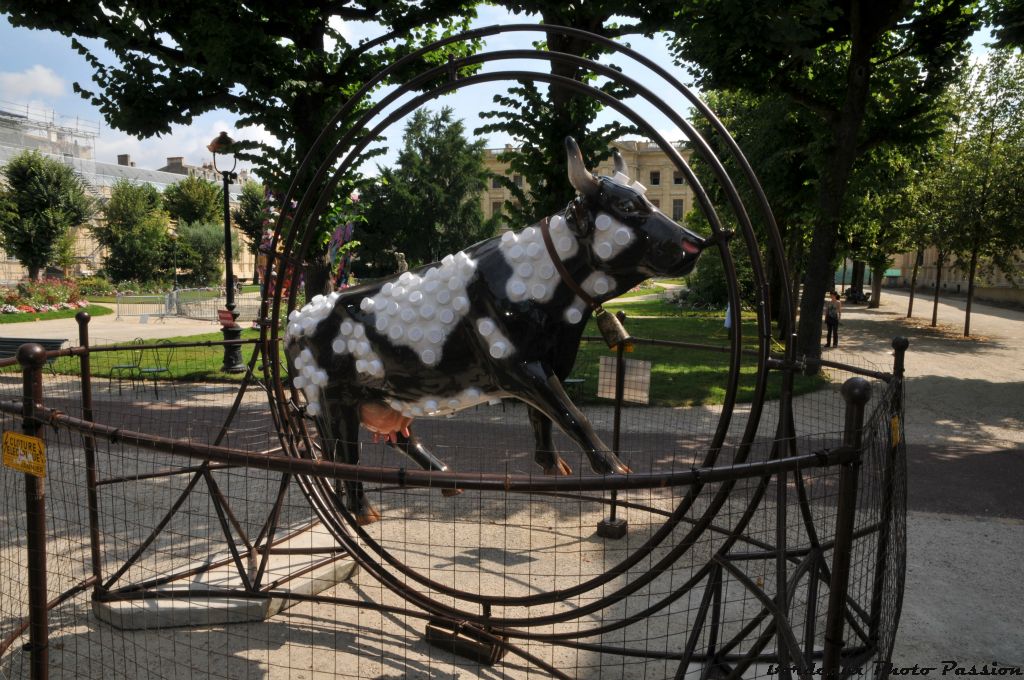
x: 108, y: 328
x: 965, y: 428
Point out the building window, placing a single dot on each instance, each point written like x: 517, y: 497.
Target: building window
x: 677, y: 177
x: 495, y: 208
x: 495, y: 182
x: 677, y: 208
x: 656, y: 203
x: 655, y: 178
x: 517, y: 180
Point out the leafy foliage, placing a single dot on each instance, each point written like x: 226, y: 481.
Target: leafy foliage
x: 428, y: 205
x: 194, y: 199
x: 135, y: 233
x: 201, y: 253
x: 865, y: 73
x: 42, y: 200
x: 252, y: 216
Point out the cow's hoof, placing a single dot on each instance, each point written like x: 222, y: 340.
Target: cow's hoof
x: 451, y: 492
x: 368, y: 515
x: 609, y: 465
x: 558, y: 469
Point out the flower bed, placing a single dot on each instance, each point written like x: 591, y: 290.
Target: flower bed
x: 47, y: 295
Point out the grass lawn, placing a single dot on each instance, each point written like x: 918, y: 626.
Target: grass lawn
x: 21, y: 317
x: 679, y: 377
x: 683, y: 377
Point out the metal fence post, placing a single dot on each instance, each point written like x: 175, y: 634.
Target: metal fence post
x: 856, y: 392
x: 89, y: 442
x: 32, y: 357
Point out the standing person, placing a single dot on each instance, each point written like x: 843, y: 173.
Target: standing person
x: 833, y: 311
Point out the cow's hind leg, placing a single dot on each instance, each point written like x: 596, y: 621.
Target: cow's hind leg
x: 410, y: 445
x: 355, y: 496
x: 542, y: 389
x: 544, y: 454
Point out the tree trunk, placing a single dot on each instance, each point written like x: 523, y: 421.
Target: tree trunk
x: 913, y: 280
x: 970, y: 290
x: 842, y: 282
x: 33, y: 272
x: 877, y: 274
x: 938, y: 281
x: 317, y: 276
x: 857, y: 276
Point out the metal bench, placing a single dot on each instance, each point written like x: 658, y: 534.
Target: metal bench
x: 9, y: 346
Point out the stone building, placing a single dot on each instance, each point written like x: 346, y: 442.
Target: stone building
x: 993, y: 287
x: 647, y: 163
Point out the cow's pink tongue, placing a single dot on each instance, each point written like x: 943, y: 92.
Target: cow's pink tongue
x: 381, y: 419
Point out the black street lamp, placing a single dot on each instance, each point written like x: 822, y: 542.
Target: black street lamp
x: 229, y: 322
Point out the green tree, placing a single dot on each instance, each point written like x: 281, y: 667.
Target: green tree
x: 866, y: 73
x: 428, y: 205
x: 540, y: 118
x: 201, y: 252
x: 135, y: 233
x: 252, y: 214
x: 194, y: 199
x: 975, y: 193
x: 42, y: 199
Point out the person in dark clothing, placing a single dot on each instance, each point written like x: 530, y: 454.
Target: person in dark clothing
x: 833, y: 311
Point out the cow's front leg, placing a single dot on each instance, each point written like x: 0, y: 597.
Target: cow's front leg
x: 410, y: 446
x: 542, y: 390
x: 356, y: 500
x: 544, y: 452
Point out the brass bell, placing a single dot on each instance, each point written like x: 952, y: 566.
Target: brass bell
x: 612, y: 330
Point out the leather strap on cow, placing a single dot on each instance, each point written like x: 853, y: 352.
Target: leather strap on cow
x: 545, y: 232
x: 610, y: 327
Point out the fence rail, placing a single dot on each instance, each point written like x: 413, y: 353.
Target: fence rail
x: 784, y: 551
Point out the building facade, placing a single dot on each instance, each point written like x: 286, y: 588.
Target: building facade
x: 994, y: 287
x: 72, y: 142
x: 646, y: 163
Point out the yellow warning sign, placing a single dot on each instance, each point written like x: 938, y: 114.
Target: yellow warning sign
x: 894, y: 431
x: 24, y: 453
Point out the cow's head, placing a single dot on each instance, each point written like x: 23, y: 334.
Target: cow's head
x: 626, y: 231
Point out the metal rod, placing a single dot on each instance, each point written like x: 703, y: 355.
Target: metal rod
x: 620, y: 393
x: 436, y: 479
x: 89, y: 442
x: 159, y: 474
x: 32, y: 358
x: 856, y: 392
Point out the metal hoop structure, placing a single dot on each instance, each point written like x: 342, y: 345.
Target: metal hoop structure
x: 494, y: 622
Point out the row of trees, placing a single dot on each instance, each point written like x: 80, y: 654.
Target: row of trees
x: 43, y: 199
x: 861, y: 81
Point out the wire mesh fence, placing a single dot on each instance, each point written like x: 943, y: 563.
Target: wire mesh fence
x: 213, y: 554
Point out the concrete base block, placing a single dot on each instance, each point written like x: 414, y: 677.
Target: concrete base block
x: 182, y: 603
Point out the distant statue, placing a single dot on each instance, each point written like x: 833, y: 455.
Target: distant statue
x: 403, y: 266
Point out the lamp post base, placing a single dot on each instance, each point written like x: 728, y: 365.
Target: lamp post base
x: 232, y: 353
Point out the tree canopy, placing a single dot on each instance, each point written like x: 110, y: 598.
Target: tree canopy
x: 194, y: 199
x: 428, y: 204
x: 135, y: 233
x: 41, y: 200
x: 866, y: 73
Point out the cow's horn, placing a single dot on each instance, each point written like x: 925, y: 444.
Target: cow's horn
x: 620, y: 163
x: 581, y: 179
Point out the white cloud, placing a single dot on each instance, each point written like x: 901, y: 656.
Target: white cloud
x: 35, y: 81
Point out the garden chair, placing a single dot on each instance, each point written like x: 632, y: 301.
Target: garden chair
x: 129, y: 369
x: 161, y: 354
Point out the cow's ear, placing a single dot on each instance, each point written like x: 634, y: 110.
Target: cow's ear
x: 582, y: 180
x: 620, y: 163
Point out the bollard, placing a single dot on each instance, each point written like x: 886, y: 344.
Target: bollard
x: 856, y: 392
x: 83, y: 318
x: 613, y: 526
x: 32, y: 357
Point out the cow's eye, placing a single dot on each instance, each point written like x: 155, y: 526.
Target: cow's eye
x: 628, y: 207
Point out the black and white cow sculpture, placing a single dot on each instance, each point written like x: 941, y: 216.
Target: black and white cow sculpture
x: 499, y: 319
